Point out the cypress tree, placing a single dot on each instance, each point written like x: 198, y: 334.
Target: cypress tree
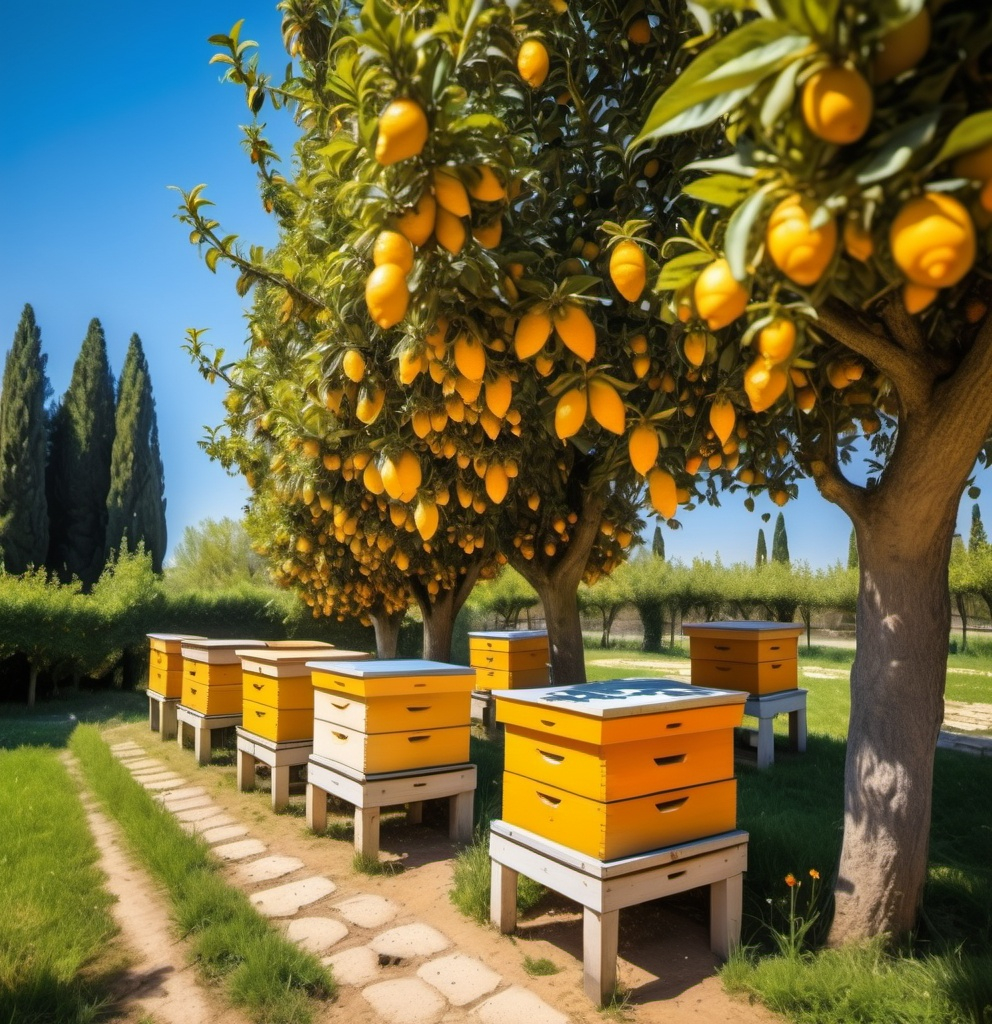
x: 23, y: 443
x: 977, y: 540
x: 658, y: 544
x: 780, y: 542
x: 761, y: 553
x: 79, y: 467
x: 852, y: 550
x: 136, y: 501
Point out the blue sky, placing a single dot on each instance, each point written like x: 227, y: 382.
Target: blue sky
x: 116, y: 102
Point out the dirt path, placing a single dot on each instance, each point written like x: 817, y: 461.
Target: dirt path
x: 399, y: 949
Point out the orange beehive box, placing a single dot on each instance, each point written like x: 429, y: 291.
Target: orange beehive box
x: 509, y: 641
x: 167, y: 682
x: 390, y: 678
x: 497, y: 679
x: 280, y: 677
x: 211, y: 700
x: 374, y: 753
x: 275, y: 723
x: 759, y: 657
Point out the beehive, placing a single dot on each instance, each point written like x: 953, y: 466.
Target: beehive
x: 277, y: 692
x: 617, y: 768
x: 212, y: 675
x: 165, y: 662
x: 759, y: 657
x: 390, y: 716
x: 509, y: 660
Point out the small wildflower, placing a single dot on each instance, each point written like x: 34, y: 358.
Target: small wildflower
x: 790, y: 879
x: 813, y: 873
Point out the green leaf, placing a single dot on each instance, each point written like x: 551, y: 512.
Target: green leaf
x: 737, y: 237
x: 211, y: 257
x: 737, y: 62
x: 719, y: 189
x: 780, y: 96
x: 896, y: 148
x: 682, y: 270
x: 966, y: 135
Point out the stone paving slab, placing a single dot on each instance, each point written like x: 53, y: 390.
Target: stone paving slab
x: 143, y: 763
x: 126, y: 745
x: 518, y: 1004
x: 190, y: 803
x: 168, y: 783
x: 198, y: 813
x: 459, y: 978
x: 356, y: 966
x: 367, y: 911
x: 410, y: 940
x: 405, y: 1001
x: 316, y: 934
x: 208, y: 823
x: 224, y: 833
x: 286, y: 900
x: 268, y: 868
x: 154, y: 774
x: 168, y: 795
x: 240, y: 850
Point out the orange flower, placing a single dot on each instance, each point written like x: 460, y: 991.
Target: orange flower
x: 813, y: 873
x: 790, y: 879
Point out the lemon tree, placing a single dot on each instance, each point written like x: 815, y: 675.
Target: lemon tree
x: 837, y: 261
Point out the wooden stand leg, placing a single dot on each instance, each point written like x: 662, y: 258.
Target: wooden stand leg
x: 599, y: 953
x: 168, y: 721
x: 460, y: 812
x: 201, y: 744
x: 280, y: 787
x: 797, y: 730
x: 246, y: 771
x: 153, y: 714
x: 415, y: 812
x: 180, y: 730
x: 503, y: 897
x: 367, y: 831
x: 726, y: 908
x: 766, y: 742
x: 316, y: 808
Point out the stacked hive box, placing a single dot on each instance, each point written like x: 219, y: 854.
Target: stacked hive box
x: 759, y: 657
x: 277, y: 691
x: 165, y: 663
x: 510, y: 660
x: 391, y: 716
x: 615, y: 769
x: 212, y: 675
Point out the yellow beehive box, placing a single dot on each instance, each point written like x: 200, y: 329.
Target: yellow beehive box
x: 375, y: 753
x: 509, y: 640
x: 280, y: 678
x: 165, y: 650
x: 620, y: 710
x: 621, y: 828
x: 621, y: 771
x: 217, y: 652
x: 497, y: 679
x: 759, y: 657
x: 167, y: 682
x: 510, y: 661
x: 390, y: 678
x: 407, y: 713
x: 200, y: 673
x: 275, y: 723
x: 212, y: 700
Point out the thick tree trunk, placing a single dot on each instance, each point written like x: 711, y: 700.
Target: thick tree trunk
x: 963, y: 612
x: 440, y: 610
x: 387, y: 632
x: 651, y: 624
x: 561, y: 615
x: 32, y: 684
x: 897, y: 687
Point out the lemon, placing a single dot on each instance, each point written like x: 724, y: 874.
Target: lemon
x: 403, y: 132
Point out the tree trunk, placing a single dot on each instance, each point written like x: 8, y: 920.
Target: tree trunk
x: 963, y: 612
x: 897, y: 687
x: 387, y: 632
x: 561, y: 616
x: 651, y: 624
x: 440, y: 610
x: 32, y: 684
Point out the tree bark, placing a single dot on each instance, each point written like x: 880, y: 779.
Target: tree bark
x: 963, y: 612
x: 32, y: 684
x: 440, y: 610
x: 651, y: 624
x: 387, y: 632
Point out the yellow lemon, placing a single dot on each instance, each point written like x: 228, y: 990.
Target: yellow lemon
x: 386, y: 295
x: 837, y: 104
x: 719, y: 297
x: 531, y: 334
x: 663, y: 493
x: 403, y: 132
x: 417, y: 223
x: 607, y: 406
x: 628, y: 269
x: 777, y: 341
x: 642, y: 447
x: 799, y: 251
x: 393, y: 247
x: 533, y: 62
x: 570, y: 413
x: 576, y: 330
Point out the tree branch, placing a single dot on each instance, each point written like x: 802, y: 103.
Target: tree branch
x: 834, y: 486
x: 963, y: 396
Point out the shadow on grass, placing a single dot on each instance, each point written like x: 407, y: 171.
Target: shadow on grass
x: 50, y: 723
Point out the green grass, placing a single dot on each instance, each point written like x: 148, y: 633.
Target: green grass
x: 541, y: 967
x: 58, y: 951
x: 272, y: 979
x: 52, y: 722
x: 470, y: 889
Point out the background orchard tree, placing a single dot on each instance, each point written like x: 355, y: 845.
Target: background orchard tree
x: 840, y: 259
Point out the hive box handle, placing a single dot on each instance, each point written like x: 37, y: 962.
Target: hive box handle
x: 722, y: 647
x: 671, y: 759
x: 417, y: 739
x: 426, y: 707
x: 548, y: 723
x: 671, y: 805
x: 258, y: 686
x: 551, y: 801
x: 551, y: 758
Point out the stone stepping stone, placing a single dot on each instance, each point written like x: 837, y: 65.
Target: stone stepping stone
x: 286, y: 900
x: 406, y: 1001
x: 170, y: 782
x: 154, y: 774
x: 223, y: 833
x: 460, y: 979
x: 241, y: 850
x: 316, y: 934
x: 125, y: 745
x: 356, y: 966
x: 367, y: 911
x: 206, y: 824
x: 410, y: 940
x: 189, y: 804
x: 518, y: 1004
x: 143, y: 762
x: 168, y: 795
x: 267, y: 868
x: 198, y: 813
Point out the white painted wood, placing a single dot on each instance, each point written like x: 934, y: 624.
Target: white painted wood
x: 503, y: 897
x: 726, y: 911
x: 765, y: 707
x: 246, y: 770
x: 280, y: 786
x: 600, y: 937
x: 461, y: 816
x: 316, y: 808
x: 367, y: 831
x: 415, y: 812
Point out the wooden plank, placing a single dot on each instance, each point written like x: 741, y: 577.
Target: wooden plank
x: 316, y: 808
x: 503, y: 897
x: 600, y: 934
x: 726, y: 911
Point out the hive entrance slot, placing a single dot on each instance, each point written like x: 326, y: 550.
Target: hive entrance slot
x: 671, y: 805
x: 552, y: 758
x: 671, y: 759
